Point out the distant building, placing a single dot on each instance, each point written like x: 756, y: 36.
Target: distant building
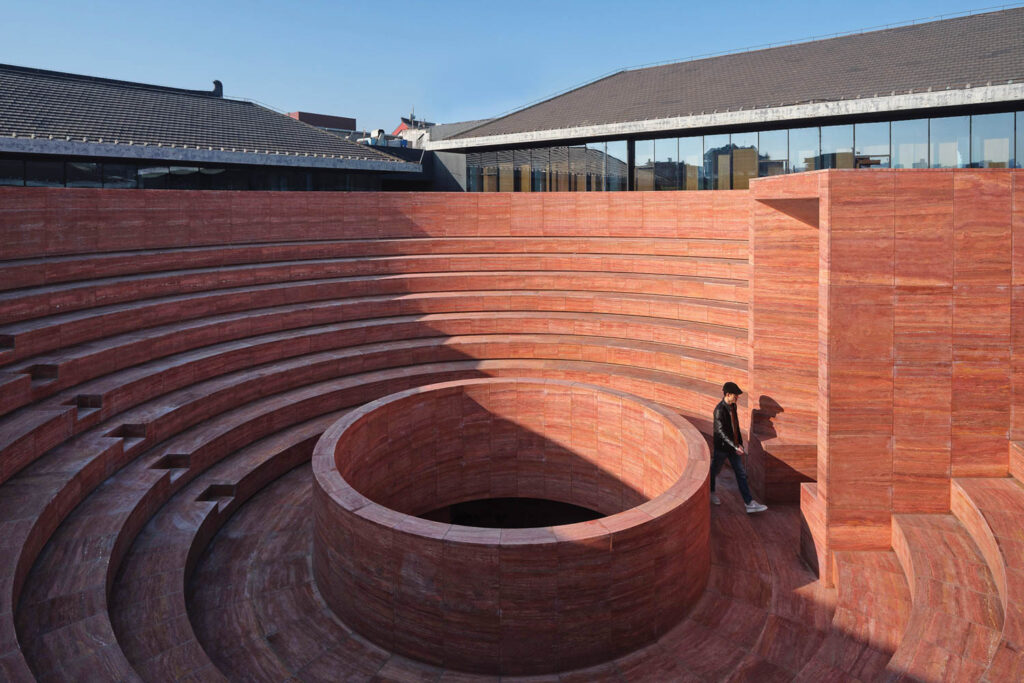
x: 334, y: 124
x: 62, y: 129
x: 942, y: 94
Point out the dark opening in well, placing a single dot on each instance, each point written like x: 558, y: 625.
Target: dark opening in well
x: 512, y: 513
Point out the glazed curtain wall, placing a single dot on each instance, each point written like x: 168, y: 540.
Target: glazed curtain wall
x: 729, y: 161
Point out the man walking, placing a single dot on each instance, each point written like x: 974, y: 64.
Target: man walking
x: 728, y: 443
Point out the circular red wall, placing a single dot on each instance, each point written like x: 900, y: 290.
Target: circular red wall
x: 511, y: 601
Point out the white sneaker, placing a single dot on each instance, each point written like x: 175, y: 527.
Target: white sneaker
x: 715, y: 500
x: 753, y: 506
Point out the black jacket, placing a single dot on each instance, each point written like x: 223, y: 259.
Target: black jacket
x: 723, y: 428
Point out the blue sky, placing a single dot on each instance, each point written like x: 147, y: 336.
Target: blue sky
x: 451, y: 60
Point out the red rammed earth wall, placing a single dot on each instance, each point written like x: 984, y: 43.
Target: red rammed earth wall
x: 885, y: 316
x: 919, y: 342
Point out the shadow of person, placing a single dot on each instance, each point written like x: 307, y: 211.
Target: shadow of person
x: 761, y: 417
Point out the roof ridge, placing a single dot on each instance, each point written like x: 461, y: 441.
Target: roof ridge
x: 215, y: 93
x: 912, y: 23
x: 919, y: 22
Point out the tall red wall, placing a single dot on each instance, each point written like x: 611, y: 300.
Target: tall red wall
x: 919, y: 328
x: 38, y: 222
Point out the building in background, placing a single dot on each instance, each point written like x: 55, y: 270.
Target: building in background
x: 942, y: 94
x: 61, y: 129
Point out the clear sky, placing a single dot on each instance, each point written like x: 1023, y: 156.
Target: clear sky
x: 452, y: 60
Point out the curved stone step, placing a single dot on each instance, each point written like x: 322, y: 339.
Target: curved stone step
x: 991, y: 509
x: 957, y: 615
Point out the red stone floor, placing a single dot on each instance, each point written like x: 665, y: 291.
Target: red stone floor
x: 764, y: 617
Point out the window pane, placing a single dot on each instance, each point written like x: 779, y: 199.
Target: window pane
x: 803, y: 149
x: 616, y: 166
x: 691, y: 162
x: 666, y: 171
x: 506, y: 179
x: 872, y: 140
x: 521, y: 170
x: 474, y: 172
x: 120, y: 175
x: 595, y: 166
x: 559, y: 169
x: 489, y: 171
x: 578, y: 168
x: 910, y: 144
x: 950, y: 140
x: 44, y: 173
x: 773, y: 152
x: 717, y: 161
x: 744, y: 160
x: 12, y: 172
x: 836, y: 147
x: 539, y: 161
x: 645, y: 164
x: 991, y: 137
x: 83, y: 174
x: 1020, y: 139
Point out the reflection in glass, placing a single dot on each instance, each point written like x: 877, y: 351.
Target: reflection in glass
x: 596, y: 166
x: 489, y: 171
x: 506, y: 172
x: 744, y: 160
x: 539, y: 162
x: 991, y: 138
x: 120, y: 175
x: 44, y: 173
x: 616, y: 166
x: 474, y: 172
x: 666, y: 171
x: 872, y: 145
x: 773, y: 152
x: 83, y: 174
x: 522, y: 170
x: 717, y: 171
x: 836, y: 147
x: 644, y: 165
x: 1020, y: 139
x: 950, y: 140
x: 12, y: 172
x: 577, y: 169
x: 559, y: 169
x: 691, y: 162
x: 910, y: 144
x: 803, y: 149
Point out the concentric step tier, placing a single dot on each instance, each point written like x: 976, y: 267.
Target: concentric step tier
x: 147, y: 393
x: 991, y: 510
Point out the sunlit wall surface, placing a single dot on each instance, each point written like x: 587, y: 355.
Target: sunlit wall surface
x: 729, y: 161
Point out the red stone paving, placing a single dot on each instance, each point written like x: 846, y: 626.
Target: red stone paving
x: 166, y: 357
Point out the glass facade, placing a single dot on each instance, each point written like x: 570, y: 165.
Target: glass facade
x: 836, y: 147
x: 644, y: 167
x: 730, y: 161
x: 871, y: 145
x: 991, y: 140
x: 50, y: 172
x: 910, y: 144
x: 950, y: 139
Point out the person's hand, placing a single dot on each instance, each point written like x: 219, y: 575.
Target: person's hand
x: 739, y: 450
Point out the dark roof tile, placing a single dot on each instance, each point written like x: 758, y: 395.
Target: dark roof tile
x: 38, y: 103
x: 975, y: 50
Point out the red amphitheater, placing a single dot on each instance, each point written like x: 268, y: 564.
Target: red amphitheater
x: 225, y: 414
x: 444, y: 413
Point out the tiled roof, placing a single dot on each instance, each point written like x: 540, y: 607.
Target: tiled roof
x: 443, y: 131
x: 953, y: 53
x: 42, y: 104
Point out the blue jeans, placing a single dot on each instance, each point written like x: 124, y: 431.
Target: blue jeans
x: 718, y: 459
